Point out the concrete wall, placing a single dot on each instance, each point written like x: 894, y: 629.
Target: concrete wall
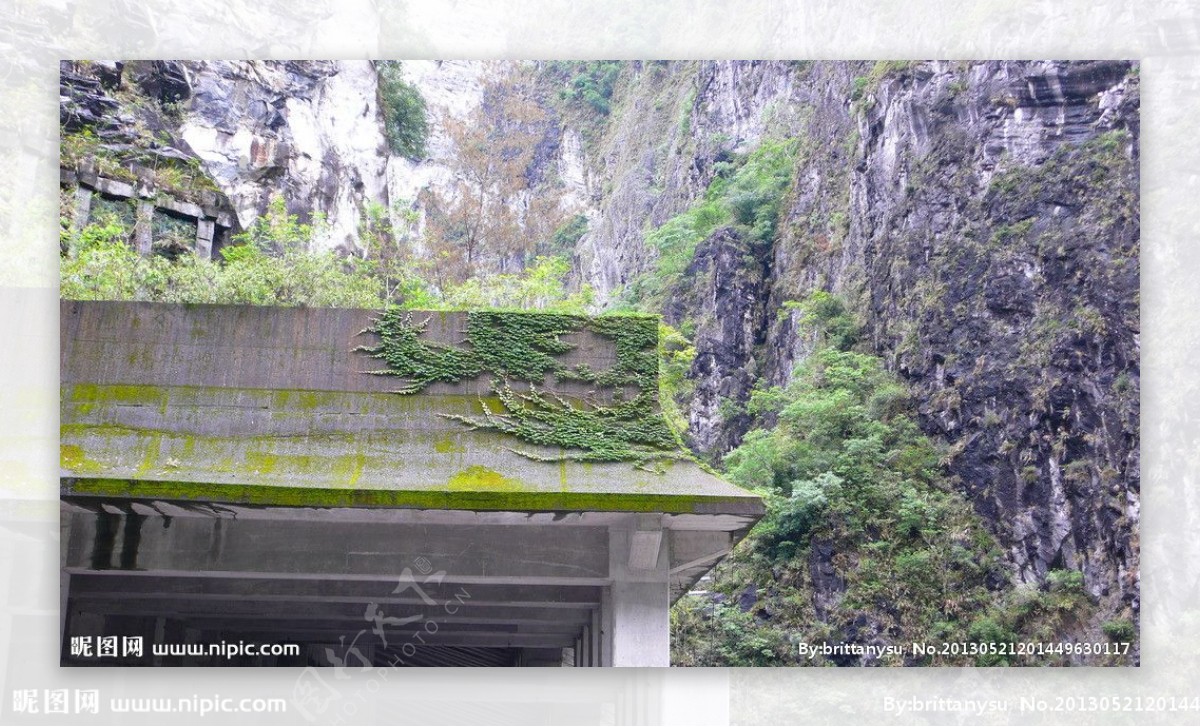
x: 260, y: 405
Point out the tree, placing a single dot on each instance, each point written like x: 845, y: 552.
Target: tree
x: 404, y: 114
x: 490, y: 214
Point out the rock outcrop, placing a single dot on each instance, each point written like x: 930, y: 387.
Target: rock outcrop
x: 980, y: 217
x: 983, y: 220
x: 309, y: 130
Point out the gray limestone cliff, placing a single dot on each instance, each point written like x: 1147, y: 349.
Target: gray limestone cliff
x: 983, y: 220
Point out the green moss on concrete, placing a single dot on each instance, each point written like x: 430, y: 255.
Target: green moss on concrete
x: 81, y: 400
x: 264, y: 463
x: 71, y: 457
x: 403, y: 446
x: 302, y: 401
x: 349, y: 468
x: 481, y: 479
x: 526, y: 347
x: 122, y: 394
x: 448, y: 445
x: 503, y: 500
x: 150, y: 455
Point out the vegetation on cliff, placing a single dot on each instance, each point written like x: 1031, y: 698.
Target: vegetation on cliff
x: 405, y: 118
x: 272, y: 264
x: 865, y: 541
x: 960, y: 419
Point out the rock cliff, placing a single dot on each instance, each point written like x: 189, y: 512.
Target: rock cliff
x: 981, y: 219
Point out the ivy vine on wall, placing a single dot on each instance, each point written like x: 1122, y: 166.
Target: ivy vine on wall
x: 622, y: 423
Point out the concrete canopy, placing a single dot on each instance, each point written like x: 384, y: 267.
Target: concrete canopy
x: 261, y: 430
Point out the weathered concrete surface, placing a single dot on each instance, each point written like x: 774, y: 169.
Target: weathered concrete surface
x: 234, y: 473
x: 273, y: 406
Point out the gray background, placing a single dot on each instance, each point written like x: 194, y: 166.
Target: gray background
x: 1165, y: 35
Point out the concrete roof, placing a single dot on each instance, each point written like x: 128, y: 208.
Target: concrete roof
x: 273, y: 406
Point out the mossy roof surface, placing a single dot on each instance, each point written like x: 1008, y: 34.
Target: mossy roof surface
x: 275, y: 406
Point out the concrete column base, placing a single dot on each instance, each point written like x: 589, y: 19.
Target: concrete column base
x: 143, y: 236
x: 635, y: 609
x: 204, y: 237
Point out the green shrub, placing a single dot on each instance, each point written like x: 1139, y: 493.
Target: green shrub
x: 567, y: 236
x: 704, y: 633
x: 1118, y: 630
x: 101, y: 265
x: 988, y: 630
x: 827, y: 314
x: 591, y: 83
x: 845, y: 464
x: 271, y: 264
x: 747, y: 194
x: 541, y: 286
x: 1065, y: 581
x: 404, y: 115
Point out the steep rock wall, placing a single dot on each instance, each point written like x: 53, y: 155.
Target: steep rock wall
x: 983, y: 220
x: 309, y: 130
x: 994, y: 221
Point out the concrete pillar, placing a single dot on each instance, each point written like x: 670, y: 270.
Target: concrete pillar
x: 204, y: 237
x: 160, y: 637
x: 635, y: 608
x: 143, y: 238
x: 594, y: 635
x: 585, y: 647
x: 64, y: 601
x: 81, y: 214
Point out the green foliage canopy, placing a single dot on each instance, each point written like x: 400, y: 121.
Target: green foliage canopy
x: 271, y: 264
x: 747, y: 194
x: 405, y: 120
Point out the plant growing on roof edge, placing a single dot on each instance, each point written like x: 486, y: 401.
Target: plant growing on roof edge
x: 626, y: 426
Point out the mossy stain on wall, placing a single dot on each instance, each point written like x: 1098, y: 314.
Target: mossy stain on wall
x: 448, y: 445
x: 482, y: 479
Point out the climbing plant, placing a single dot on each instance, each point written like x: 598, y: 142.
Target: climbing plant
x: 621, y: 423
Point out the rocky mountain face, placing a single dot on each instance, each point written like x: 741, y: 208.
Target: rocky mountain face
x: 983, y: 220
x: 308, y: 131
x: 980, y: 218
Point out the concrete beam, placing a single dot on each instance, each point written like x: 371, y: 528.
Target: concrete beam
x: 285, y: 602
x: 694, y: 553
x: 143, y: 235
x: 178, y: 206
x: 532, y: 580
x: 436, y: 627
x: 127, y: 542
x: 122, y: 585
x: 111, y: 187
x: 645, y: 543
x: 457, y: 639
x: 677, y: 524
x: 205, y: 229
x: 83, y: 209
